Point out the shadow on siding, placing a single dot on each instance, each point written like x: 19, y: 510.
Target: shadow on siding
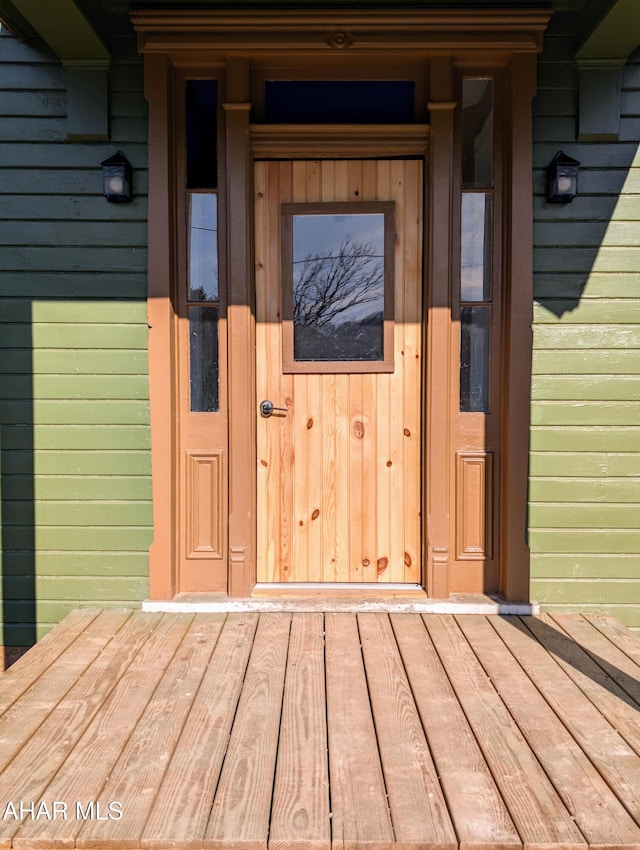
x: 593, y: 240
x: 18, y: 498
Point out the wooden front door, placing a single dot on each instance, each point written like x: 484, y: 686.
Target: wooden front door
x: 339, y: 348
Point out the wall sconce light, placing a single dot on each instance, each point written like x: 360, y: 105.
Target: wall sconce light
x: 117, y: 184
x: 562, y: 179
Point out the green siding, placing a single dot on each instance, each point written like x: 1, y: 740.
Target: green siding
x: 584, y: 509
x: 74, y: 439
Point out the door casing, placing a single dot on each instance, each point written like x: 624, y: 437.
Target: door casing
x: 236, y: 47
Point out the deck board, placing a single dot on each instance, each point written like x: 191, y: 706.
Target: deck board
x: 597, y: 811
x: 535, y: 807
x: 182, y: 808
x: 554, y: 664
x: 300, y: 813
x: 33, y: 768
x: 418, y: 808
x: 138, y: 774
x: 620, y: 636
x: 323, y: 731
x: 360, y: 812
x: 25, y: 671
x: 88, y: 767
x: 21, y: 721
x: 613, y: 661
x: 478, y: 812
x: 242, y: 804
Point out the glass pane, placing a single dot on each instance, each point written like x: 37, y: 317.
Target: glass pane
x: 475, y: 247
x: 203, y: 362
x: 201, y: 108
x: 203, y: 247
x: 338, y: 286
x: 477, y: 133
x: 339, y: 101
x: 475, y: 325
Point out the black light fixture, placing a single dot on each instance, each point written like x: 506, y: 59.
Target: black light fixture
x: 117, y: 184
x: 562, y: 179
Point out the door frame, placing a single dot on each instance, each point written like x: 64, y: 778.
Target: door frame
x: 402, y: 191
x: 442, y: 41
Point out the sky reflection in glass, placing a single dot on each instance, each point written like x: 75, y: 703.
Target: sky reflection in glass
x: 338, y: 286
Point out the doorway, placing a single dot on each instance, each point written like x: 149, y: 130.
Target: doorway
x: 339, y: 292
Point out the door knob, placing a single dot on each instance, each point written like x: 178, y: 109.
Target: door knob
x: 267, y: 408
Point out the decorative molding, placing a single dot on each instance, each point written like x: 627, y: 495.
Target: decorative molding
x: 362, y: 31
x: 339, y: 40
x: 442, y: 105
x: 204, y: 509
x: 330, y: 141
x: 474, y: 487
x: 237, y: 557
x: 439, y: 565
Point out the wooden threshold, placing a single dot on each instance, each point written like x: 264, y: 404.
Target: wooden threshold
x: 301, y: 598
x: 360, y: 590
x: 328, y: 731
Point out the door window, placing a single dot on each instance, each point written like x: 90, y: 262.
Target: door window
x: 338, y: 287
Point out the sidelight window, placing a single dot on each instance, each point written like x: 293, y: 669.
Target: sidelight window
x: 476, y: 244
x: 203, y: 291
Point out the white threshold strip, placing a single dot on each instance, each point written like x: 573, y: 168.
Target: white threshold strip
x: 309, y: 597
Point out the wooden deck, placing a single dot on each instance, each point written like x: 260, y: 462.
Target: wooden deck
x: 322, y: 730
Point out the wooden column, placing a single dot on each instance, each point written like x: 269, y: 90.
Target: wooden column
x: 517, y: 334
x: 241, y: 330
x: 162, y: 326
x: 437, y: 468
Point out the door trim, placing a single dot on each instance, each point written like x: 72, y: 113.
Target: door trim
x: 336, y: 141
x: 204, y: 42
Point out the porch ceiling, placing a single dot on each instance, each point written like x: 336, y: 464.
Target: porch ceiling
x: 62, y: 25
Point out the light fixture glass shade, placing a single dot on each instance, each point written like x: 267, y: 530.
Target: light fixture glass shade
x: 117, y: 179
x: 562, y: 179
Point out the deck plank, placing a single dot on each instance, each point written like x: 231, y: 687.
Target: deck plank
x: 613, y: 661
x: 360, y: 813
x: 85, y: 772
x: 326, y: 732
x: 618, y: 634
x: 27, y: 776
x: 536, y: 809
x: 300, y: 811
x: 23, y: 718
x: 556, y: 666
x: 136, y: 777
x: 30, y: 666
x: 597, y: 811
x: 477, y: 809
x: 183, y: 804
x: 242, y: 804
x: 418, y: 808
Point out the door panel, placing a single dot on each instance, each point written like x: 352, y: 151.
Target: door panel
x: 338, y: 473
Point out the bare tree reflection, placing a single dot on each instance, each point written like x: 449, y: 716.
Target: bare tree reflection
x: 338, y: 301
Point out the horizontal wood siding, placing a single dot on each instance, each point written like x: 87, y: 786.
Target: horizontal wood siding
x: 584, y: 528
x: 75, y: 467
